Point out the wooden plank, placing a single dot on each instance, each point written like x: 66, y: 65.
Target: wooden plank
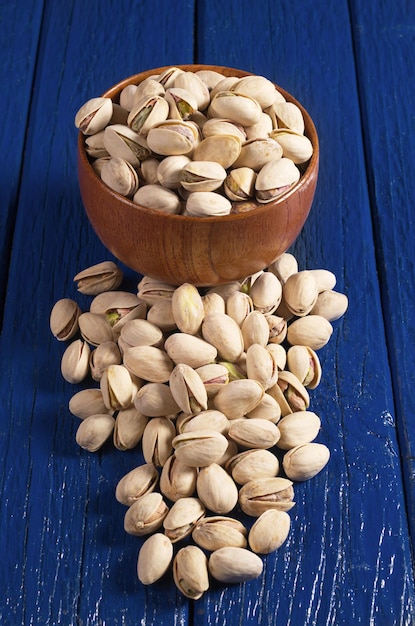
x: 19, y: 32
x: 386, y: 93
x: 66, y: 557
x: 348, y: 556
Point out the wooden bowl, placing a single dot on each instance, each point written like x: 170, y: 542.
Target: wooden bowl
x: 204, y: 251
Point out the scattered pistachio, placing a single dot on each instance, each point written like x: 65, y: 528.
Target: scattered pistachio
x: 213, y: 385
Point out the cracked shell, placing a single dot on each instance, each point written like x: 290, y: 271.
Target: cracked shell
x: 274, y: 178
x: 98, y: 278
x: 200, y: 447
x: 64, y: 319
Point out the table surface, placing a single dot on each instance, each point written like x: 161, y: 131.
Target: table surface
x: 349, y: 557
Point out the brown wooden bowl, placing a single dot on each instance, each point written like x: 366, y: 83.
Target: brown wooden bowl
x: 204, y: 251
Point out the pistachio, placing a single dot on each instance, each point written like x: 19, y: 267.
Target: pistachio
x: 64, y: 319
x: 255, y: 329
x: 154, y: 558
x: 295, y: 146
x: 298, y: 428
x: 177, y: 480
x: 193, y: 83
x: 304, y: 363
x: 279, y: 353
x: 182, y: 518
x: 95, y: 148
x: 152, y: 291
x: 214, y: 376
x: 239, y: 108
x: 216, y: 489
x: 305, y: 461
x: 254, y: 433
x: 141, y: 332
x: 234, y: 565
x: 129, y: 428
x: 238, y: 397
x: 139, y: 481
x: 118, y: 308
x: 223, y: 332
x: 121, y: 141
x: 148, y: 171
x: 219, y: 126
x: 200, y: 448
x: 159, y: 198
x: 251, y: 464
x: 218, y: 531
x: 261, y: 365
x: 269, y: 531
x: 75, y: 361
x: 238, y: 306
x: 120, y: 176
x: 275, y: 178
x: 312, y: 330
x: 262, y: 129
x: 210, y: 419
x: 222, y: 149
x: 87, y: 402
x: 94, y: 431
x: 277, y: 328
x: 259, y: 88
x: 146, y: 514
x: 284, y: 266
x: 173, y: 137
x: 187, y: 306
x: 104, y: 355
x: 156, y: 400
x: 239, y: 184
x: 288, y: 115
x: 147, y: 111
x: 117, y: 387
x: 202, y: 176
x: 94, y: 115
x: 127, y: 96
x: 149, y: 363
x: 190, y: 350
x: 207, y: 203
x: 169, y: 170
x: 255, y: 153
x: 330, y: 304
x: 267, y: 408
x: 213, y: 303
x: 95, y: 329
x: 325, y: 279
x: 190, y: 572
x: 161, y: 314
x: 182, y: 103
x: 294, y: 391
x: 188, y: 389
x: 266, y: 292
x: 261, y: 494
x: 157, y: 440
x: 300, y: 292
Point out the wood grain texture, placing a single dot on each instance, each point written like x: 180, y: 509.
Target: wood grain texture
x: 19, y: 33
x: 391, y: 188
x: 347, y: 514
x: 65, y: 556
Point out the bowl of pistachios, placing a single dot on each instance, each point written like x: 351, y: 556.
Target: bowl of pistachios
x: 196, y: 173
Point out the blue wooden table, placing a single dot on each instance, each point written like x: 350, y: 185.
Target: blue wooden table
x: 65, y: 558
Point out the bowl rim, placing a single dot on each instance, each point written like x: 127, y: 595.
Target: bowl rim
x: 114, y: 91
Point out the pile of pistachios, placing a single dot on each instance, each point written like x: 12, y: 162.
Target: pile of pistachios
x: 213, y: 385
x: 197, y: 143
